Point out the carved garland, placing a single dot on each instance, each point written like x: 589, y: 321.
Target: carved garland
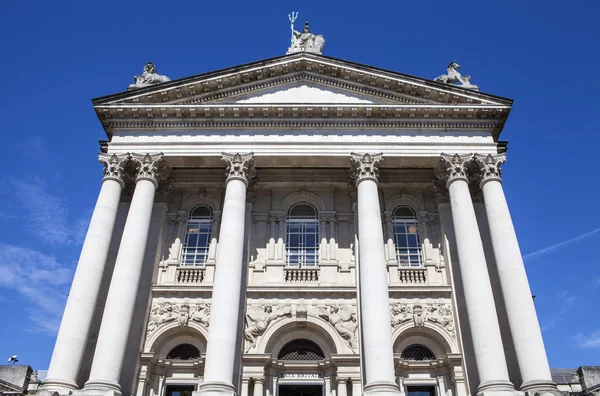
x: 166, y: 312
x: 420, y: 313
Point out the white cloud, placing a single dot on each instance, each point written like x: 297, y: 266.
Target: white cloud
x: 559, y: 245
x: 566, y: 302
x: 46, y: 214
x: 41, y: 279
x: 588, y: 341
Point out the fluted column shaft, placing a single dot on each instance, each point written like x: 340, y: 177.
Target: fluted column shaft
x: 376, y: 330
x: 479, y: 300
x: 122, y: 293
x: 522, y: 317
x: 224, y: 334
x: 81, y: 304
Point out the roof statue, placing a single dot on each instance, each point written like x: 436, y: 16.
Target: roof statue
x: 304, y: 41
x: 454, y: 76
x: 149, y: 77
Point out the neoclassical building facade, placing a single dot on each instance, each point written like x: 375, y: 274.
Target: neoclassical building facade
x: 301, y: 225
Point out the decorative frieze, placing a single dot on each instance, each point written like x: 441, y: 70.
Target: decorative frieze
x: 165, y: 312
x: 258, y: 318
x: 421, y: 312
x: 343, y: 319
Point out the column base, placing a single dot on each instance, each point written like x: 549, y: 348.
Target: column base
x: 215, y: 388
x: 100, y: 388
x: 540, y: 388
x: 381, y: 388
x: 59, y: 385
x: 498, y: 388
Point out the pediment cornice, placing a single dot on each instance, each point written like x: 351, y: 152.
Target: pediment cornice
x: 208, y: 100
x: 303, y: 65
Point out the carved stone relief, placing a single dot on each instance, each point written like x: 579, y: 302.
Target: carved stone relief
x: 420, y: 313
x: 343, y: 319
x: 258, y: 318
x: 168, y: 312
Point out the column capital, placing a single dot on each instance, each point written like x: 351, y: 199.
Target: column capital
x: 454, y: 167
x: 489, y: 167
x: 151, y: 167
x: 240, y: 166
x: 364, y: 166
x: 114, y: 167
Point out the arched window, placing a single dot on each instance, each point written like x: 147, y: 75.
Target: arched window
x: 301, y: 349
x: 197, y: 236
x: 184, y: 352
x: 417, y: 352
x: 406, y: 237
x: 302, y: 236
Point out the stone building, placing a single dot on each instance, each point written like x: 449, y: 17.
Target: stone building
x: 301, y: 225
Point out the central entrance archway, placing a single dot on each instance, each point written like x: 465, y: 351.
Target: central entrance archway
x: 300, y: 390
x: 301, y: 375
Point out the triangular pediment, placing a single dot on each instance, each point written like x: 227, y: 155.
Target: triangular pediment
x: 300, y: 87
x: 304, y: 92
x: 302, y: 78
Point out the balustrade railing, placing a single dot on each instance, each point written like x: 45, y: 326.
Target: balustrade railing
x: 301, y: 275
x: 190, y: 275
x: 412, y: 275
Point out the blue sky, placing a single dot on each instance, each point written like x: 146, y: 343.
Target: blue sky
x: 56, y: 56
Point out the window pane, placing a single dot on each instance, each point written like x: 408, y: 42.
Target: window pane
x: 412, y: 240
x: 401, y: 241
x: 294, y: 240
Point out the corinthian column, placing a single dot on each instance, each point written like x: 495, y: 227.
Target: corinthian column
x: 81, y: 304
x: 376, y: 331
x: 120, y: 302
x: 224, y: 335
x: 522, y: 318
x: 479, y: 300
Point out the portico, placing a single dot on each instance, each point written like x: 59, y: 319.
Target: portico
x: 299, y: 225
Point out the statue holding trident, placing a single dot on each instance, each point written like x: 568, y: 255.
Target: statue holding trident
x: 304, y: 41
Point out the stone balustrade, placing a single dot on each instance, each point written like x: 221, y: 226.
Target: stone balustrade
x: 190, y: 275
x: 415, y: 275
x: 301, y: 275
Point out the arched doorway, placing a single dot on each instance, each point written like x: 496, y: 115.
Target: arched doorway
x: 302, y: 375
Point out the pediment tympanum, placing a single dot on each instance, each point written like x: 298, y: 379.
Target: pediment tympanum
x: 305, y: 92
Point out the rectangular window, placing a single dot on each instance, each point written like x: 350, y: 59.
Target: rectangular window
x: 420, y: 390
x: 302, y: 243
x: 196, y: 243
x: 179, y: 390
x: 408, y: 246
